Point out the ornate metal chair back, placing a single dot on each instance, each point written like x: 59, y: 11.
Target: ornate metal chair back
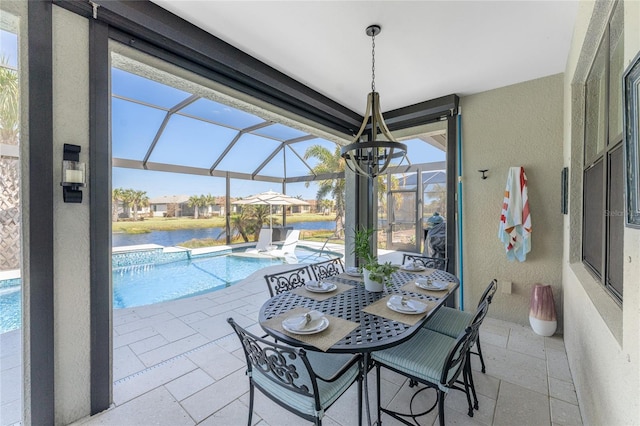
x: 285, y: 366
x: 489, y: 292
x: 427, y: 262
x: 327, y: 269
x: 286, y: 281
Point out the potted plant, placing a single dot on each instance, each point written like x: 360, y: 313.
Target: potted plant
x: 375, y: 274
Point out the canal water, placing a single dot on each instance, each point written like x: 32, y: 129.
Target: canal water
x: 172, y: 238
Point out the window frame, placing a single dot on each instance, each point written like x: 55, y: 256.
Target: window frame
x: 590, y: 160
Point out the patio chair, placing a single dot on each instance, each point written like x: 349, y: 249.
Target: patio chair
x: 327, y: 268
x: 264, y: 241
x: 289, y: 246
x: 452, y: 322
x: 426, y: 261
x: 288, y: 280
x: 436, y: 361
x: 304, y: 383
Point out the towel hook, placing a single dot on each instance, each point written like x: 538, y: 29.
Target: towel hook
x: 483, y: 173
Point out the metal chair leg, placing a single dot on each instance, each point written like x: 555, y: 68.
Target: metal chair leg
x: 441, y: 395
x: 480, y: 353
x: 360, y: 399
x: 377, y: 392
x: 465, y: 379
x: 472, y: 384
x: 250, y: 403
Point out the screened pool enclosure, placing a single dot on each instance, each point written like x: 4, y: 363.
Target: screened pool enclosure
x: 167, y: 123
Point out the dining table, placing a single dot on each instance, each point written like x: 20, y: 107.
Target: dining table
x: 359, y: 321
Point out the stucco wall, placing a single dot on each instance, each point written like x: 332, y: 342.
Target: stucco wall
x: 518, y: 125
x: 601, y: 337
x: 71, y: 221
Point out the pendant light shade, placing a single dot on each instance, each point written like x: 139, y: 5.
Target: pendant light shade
x: 371, y: 157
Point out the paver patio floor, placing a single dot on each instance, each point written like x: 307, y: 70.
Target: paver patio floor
x: 178, y: 363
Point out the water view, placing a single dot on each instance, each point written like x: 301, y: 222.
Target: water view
x: 172, y: 238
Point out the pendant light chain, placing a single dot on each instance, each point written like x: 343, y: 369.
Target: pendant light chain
x: 373, y: 62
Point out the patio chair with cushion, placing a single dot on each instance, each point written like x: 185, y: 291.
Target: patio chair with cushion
x: 427, y: 262
x: 288, y: 280
x: 305, y: 383
x: 327, y: 268
x: 433, y: 359
x: 452, y: 322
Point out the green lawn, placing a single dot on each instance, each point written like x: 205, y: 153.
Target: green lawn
x: 177, y: 223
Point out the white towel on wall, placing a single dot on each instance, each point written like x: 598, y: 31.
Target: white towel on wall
x: 515, y: 220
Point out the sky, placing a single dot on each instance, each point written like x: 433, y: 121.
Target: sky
x: 9, y: 48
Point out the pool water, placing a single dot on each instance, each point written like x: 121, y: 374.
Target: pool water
x: 10, y: 312
x: 148, y: 284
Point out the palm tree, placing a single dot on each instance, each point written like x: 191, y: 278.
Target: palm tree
x: 259, y: 215
x: 127, y: 198
x: 195, y: 202
x: 329, y: 163
x: 326, y: 205
x: 209, y: 200
x: 116, y: 196
x: 144, y: 199
x: 138, y: 199
x: 382, y: 191
x: 238, y: 224
x: 9, y: 104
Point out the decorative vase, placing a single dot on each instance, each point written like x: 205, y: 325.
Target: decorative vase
x: 542, y: 312
x: 371, y: 285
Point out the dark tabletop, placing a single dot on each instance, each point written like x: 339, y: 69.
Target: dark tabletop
x: 373, y: 332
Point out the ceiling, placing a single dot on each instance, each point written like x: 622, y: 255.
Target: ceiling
x: 426, y: 49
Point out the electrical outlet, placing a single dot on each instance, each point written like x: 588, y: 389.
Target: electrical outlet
x: 506, y: 286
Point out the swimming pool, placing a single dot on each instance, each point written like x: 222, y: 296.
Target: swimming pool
x: 146, y: 284
x: 10, y: 312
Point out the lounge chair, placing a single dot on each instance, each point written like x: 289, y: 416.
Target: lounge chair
x: 288, y: 247
x: 264, y: 242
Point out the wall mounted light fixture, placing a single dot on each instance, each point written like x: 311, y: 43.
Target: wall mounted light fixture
x: 73, y: 174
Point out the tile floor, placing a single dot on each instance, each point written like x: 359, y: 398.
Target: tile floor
x: 177, y: 363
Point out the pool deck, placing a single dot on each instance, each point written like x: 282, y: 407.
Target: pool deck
x: 178, y: 363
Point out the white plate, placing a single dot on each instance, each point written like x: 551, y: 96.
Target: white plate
x: 321, y: 287
x: 315, y: 326
x: 408, y: 268
x: 353, y: 271
x: 434, y: 286
x: 413, y: 306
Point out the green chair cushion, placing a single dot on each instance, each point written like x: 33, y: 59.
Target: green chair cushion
x: 323, y: 364
x: 450, y: 322
x: 423, y: 356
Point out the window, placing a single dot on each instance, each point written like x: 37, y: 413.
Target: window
x: 603, y: 183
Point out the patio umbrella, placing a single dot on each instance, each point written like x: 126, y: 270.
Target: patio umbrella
x: 271, y: 198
